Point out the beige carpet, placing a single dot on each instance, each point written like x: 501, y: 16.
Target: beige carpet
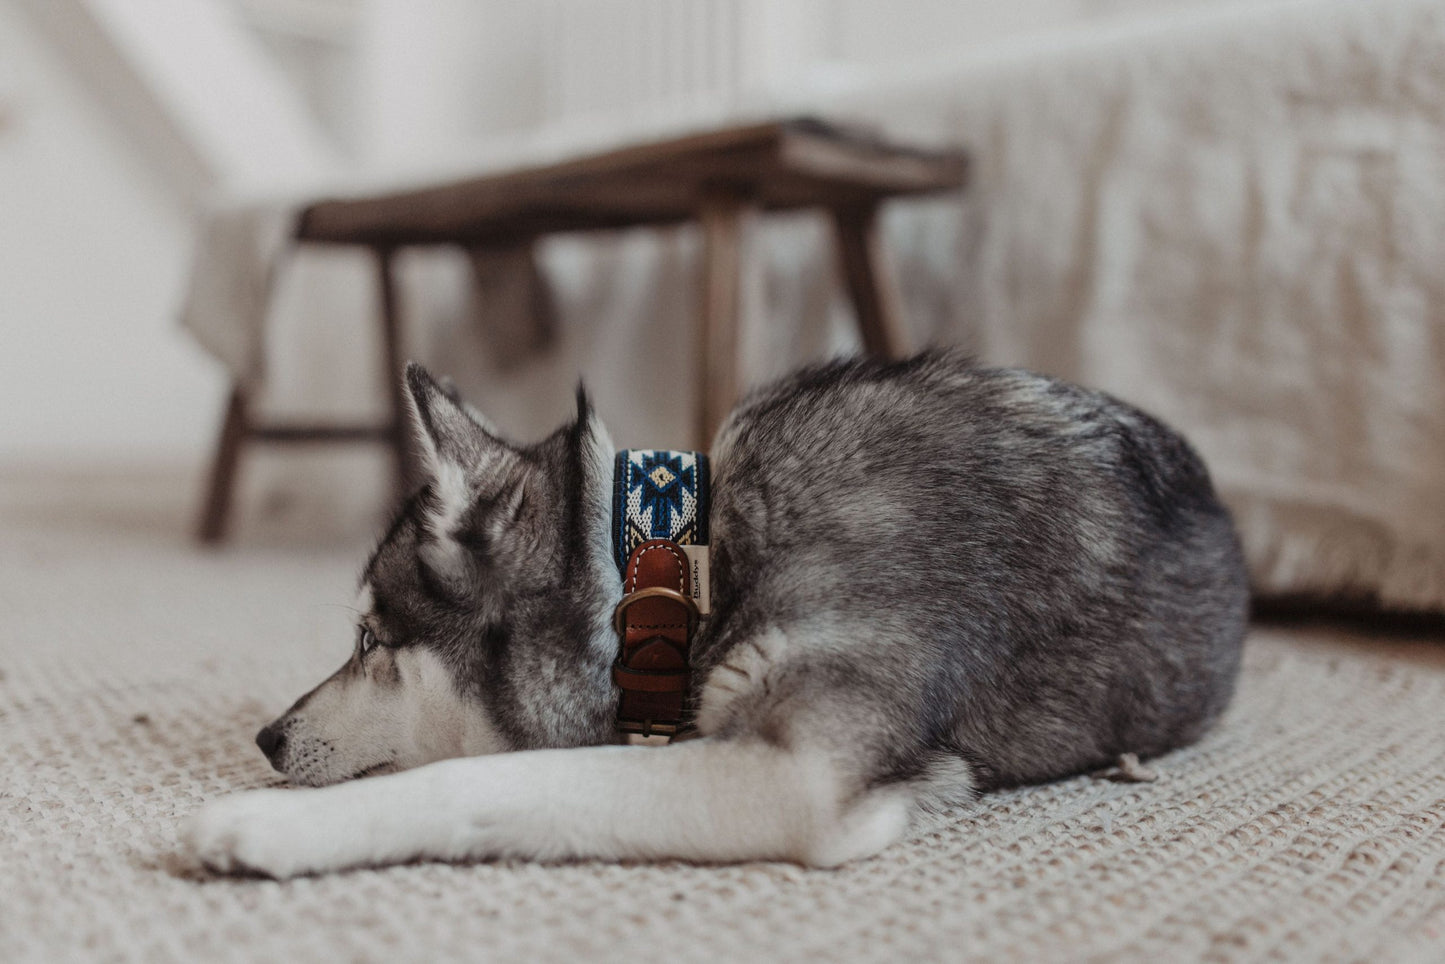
x: 1310, y: 826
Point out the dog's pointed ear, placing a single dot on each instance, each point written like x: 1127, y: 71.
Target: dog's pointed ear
x: 468, y: 465
x: 584, y: 404
x: 594, y: 434
x: 452, y: 435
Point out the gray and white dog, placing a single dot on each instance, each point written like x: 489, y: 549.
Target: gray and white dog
x: 929, y: 579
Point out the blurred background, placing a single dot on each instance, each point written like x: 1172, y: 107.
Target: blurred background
x: 1229, y: 213
x: 124, y: 118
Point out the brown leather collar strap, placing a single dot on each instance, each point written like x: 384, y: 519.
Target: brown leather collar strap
x: 656, y: 620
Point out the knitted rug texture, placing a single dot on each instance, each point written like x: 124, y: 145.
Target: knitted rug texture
x: 135, y: 670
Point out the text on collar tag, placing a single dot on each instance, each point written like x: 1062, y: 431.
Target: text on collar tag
x: 697, y: 561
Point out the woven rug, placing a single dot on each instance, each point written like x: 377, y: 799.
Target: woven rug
x: 135, y: 669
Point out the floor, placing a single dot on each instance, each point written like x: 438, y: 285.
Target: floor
x: 135, y: 668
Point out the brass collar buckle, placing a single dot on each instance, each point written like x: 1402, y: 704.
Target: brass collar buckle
x: 619, y: 615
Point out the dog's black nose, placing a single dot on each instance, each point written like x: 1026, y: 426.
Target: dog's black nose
x: 271, y: 740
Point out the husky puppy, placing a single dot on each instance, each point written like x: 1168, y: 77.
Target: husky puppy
x: 929, y: 579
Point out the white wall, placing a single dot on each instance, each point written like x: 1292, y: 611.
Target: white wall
x: 434, y: 74
x: 93, y: 249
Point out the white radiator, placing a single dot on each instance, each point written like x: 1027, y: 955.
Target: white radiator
x: 621, y: 58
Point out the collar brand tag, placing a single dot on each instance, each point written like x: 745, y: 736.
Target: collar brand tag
x: 697, y: 560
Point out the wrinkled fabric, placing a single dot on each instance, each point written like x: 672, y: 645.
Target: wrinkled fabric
x: 1236, y: 224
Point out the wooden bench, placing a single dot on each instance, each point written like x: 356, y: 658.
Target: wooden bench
x: 717, y: 178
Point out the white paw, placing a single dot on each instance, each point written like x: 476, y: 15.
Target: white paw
x: 268, y: 832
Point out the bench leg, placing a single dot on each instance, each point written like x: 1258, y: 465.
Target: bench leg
x: 235, y: 426
x: 393, y: 362
x: 722, y: 217
x: 875, y: 297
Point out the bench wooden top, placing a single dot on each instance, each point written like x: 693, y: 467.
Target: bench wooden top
x: 777, y: 166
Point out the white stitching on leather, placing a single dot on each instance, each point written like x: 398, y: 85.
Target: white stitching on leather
x: 681, y: 561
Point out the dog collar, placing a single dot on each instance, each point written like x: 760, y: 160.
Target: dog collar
x: 658, y: 494
x: 659, y: 541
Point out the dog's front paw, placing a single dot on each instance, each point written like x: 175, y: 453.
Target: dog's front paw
x: 266, y: 832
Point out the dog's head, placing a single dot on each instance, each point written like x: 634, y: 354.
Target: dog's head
x: 484, y: 611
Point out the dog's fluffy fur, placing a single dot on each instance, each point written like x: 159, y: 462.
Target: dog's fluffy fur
x: 929, y: 579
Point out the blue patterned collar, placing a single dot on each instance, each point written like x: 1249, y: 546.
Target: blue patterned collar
x: 658, y: 494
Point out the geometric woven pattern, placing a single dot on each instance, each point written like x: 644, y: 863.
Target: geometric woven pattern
x: 658, y: 494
